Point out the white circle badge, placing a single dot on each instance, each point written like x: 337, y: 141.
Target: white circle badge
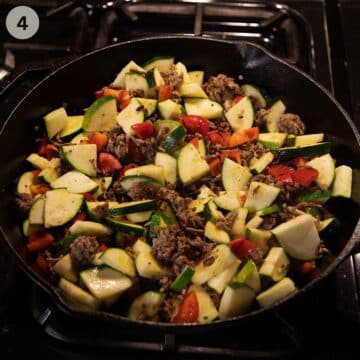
x: 22, y: 22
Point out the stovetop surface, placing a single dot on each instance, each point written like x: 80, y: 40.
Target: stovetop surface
x: 325, y: 322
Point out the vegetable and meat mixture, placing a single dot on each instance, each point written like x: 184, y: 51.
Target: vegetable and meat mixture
x: 177, y: 200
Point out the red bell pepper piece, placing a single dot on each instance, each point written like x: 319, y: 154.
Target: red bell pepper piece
x: 144, y: 130
x: 39, y: 241
x: 215, y: 167
x: 99, y: 139
x: 196, y: 124
x: 244, y: 136
x: 241, y: 247
x: 165, y: 92
x: 124, y: 168
x: 278, y: 170
x: 233, y: 154
x: 48, y: 151
x: 188, y: 311
x: 299, y: 162
x: 195, y: 142
x: 122, y: 96
x: 39, y: 189
x: 108, y: 163
x: 304, y: 176
x: 81, y: 216
x: 102, y: 248
x: 285, y: 178
x: 42, y: 264
x: 236, y: 99
x: 217, y: 137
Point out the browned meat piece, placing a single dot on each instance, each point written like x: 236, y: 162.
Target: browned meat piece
x: 215, y: 297
x: 169, y: 306
x: 220, y: 124
x: 260, y: 117
x: 249, y: 150
x: 24, y: 202
x: 288, y: 192
x: 146, y: 149
x: 117, y: 187
x: 187, y: 217
x: 257, y: 255
x: 221, y: 88
x: 143, y: 192
x: 174, y: 248
x: 213, y: 182
x: 172, y: 77
x: 165, y: 283
x: 266, y: 179
x: 117, y: 143
x: 83, y: 250
x: 100, y: 211
x: 108, y: 195
x: 226, y: 223
x: 291, y: 124
x: 137, y: 93
x: 269, y: 222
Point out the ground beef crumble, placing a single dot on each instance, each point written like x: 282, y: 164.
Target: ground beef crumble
x: 226, y: 222
x: 172, y: 77
x: 117, y: 143
x: 291, y: 124
x: 24, y: 202
x: 83, y: 250
x: 250, y: 150
x: 221, y: 88
x: 146, y: 149
x: 143, y: 192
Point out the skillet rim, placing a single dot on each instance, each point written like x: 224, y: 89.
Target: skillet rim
x: 54, y: 291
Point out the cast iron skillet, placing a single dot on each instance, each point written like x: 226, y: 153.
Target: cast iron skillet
x: 75, y: 83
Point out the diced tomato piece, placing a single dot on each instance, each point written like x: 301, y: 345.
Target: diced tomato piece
x: 196, y: 124
x: 39, y: 189
x: 36, y: 176
x: 42, y: 264
x: 215, y: 167
x: 124, y: 168
x: 231, y: 154
x: 144, y: 130
x: 122, y: 96
x: 165, y: 92
x: 81, y: 216
x: 244, y: 136
x: 89, y: 196
x: 47, y: 150
x: 39, y: 241
x: 285, y: 178
x: 102, y: 248
x: 217, y: 137
x: 188, y: 311
x: 99, y: 139
x: 236, y: 99
x: 196, y: 142
x: 278, y: 170
x: 241, y: 247
x: 299, y: 162
x: 108, y: 163
x: 304, y: 176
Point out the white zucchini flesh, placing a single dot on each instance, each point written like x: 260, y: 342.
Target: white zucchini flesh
x: 135, y: 82
x: 55, y: 121
x: 275, y: 265
x: 72, y: 126
x: 260, y: 196
x: 25, y: 182
x: 192, y: 90
x: 60, y: 207
x: 119, y: 81
x: 162, y: 63
x: 234, y: 176
x: 101, y: 115
x: 152, y: 171
x: 90, y: 228
x: 169, y: 164
x: 230, y: 200
x: 181, y: 69
x: 82, y: 157
x: 148, y: 267
x: 105, y: 283
x: 273, y: 116
x: 249, y: 276
x: 254, y: 222
x: 148, y: 104
x: 325, y: 165
x: 169, y: 109
x: 309, y: 139
x: 78, y: 296
x: 235, y: 301
x: 299, y: 237
x: 196, y: 76
x: 146, y: 305
x: 37, y: 211
x: 49, y: 174
x: 191, y: 166
x: 238, y: 227
x: 259, y: 165
x: 259, y: 237
x: 131, y: 115
x: 343, y: 182
x: 277, y: 292
x: 203, y: 107
x: 207, y: 308
x: 120, y: 260
x: 214, y: 234
x: 38, y: 161
x: 255, y: 95
x: 220, y: 281
x: 223, y: 258
x: 139, y: 217
x: 241, y: 116
x: 75, y: 182
x: 273, y: 140
x: 65, y: 269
